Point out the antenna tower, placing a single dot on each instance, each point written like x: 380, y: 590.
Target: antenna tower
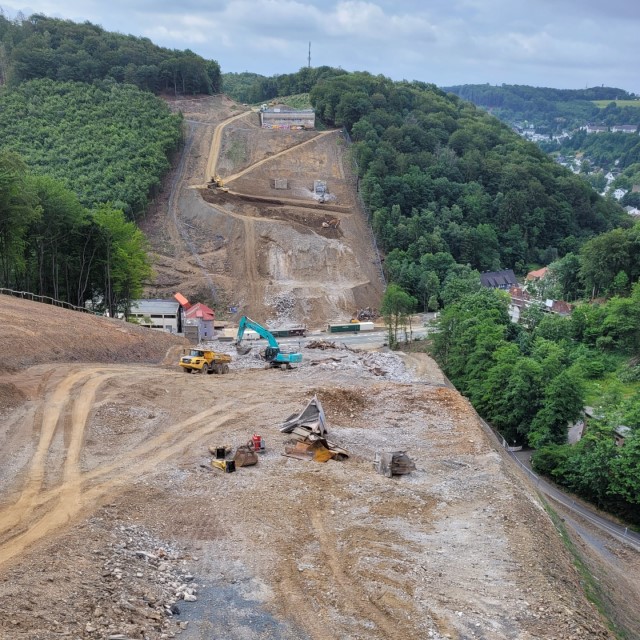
x: 309, y: 58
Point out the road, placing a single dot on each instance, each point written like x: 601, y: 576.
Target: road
x: 623, y: 534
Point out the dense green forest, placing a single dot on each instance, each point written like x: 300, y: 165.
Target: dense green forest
x: 550, y: 110
x: 105, y: 141
x: 530, y: 380
x: 51, y: 245
x: 42, y: 47
x: 93, y: 146
x: 448, y: 184
x: 254, y: 88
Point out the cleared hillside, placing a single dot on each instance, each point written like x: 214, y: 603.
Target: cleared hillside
x: 34, y: 334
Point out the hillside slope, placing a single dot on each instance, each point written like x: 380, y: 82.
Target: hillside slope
x: 259, y: 249
x: 35, y: 334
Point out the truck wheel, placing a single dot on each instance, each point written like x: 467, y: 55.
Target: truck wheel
x: 210, y: 369
x: 219, y: 369
x: 225, y: 368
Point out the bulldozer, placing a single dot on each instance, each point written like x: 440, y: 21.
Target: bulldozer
x: 201, y: 360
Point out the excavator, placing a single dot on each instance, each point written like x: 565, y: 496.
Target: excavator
x: 272, y: 353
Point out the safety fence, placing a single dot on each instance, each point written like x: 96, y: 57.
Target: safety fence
x: 26, y: 295
x: 355, y: 179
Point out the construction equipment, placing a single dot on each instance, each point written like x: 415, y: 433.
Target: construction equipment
x: 218, y: 183
x: 272, y: 353
x: 201, y: 360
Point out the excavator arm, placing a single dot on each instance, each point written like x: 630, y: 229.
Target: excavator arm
x: 272, y: 353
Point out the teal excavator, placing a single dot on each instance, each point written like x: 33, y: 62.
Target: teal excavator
x: 272, y: 353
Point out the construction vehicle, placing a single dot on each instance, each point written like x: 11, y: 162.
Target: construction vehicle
x: 218, y: 183
x: 201, y: 360
x: 274, y: 356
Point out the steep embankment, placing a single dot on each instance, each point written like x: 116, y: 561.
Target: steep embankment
x: 35, y: 333
x: 260, y: 249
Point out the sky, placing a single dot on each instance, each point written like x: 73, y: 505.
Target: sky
x: 568, y: 44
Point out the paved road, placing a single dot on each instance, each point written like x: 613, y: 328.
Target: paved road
x: 523, y: 459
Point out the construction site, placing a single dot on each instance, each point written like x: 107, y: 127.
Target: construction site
x: 388, y: 512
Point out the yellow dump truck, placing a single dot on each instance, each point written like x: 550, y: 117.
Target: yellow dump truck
x: 201, y: 360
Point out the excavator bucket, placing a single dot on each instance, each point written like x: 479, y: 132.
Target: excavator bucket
x: 243, y: 349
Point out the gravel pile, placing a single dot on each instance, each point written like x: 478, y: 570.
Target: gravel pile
x: 146, y: 583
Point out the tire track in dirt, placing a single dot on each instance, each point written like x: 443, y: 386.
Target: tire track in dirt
x: 255, y: 165
x: 54, y: 405
x: 212, y: 162
x: 68, y: 500
x: 361, y: 607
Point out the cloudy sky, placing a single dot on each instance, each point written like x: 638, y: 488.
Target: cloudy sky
x: 554, y: 43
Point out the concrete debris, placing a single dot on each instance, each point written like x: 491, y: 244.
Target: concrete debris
x: 321, y: 344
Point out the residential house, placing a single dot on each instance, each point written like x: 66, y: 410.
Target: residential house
x: 620, y: 433
x: 198, y: 321
x: 618, y: 194
x: 595, y: 128
x: 632, y: 211
x: 538, y: 274
x: 499, y: 279
x: 560, y: 307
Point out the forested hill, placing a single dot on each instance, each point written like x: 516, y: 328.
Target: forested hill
x: 446, y: 183
x: 42, y: 47
x: 552, y: 110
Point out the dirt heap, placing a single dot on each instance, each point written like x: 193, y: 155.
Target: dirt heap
x: 36, y: 333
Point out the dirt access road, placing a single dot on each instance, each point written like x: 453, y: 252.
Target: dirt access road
x: 260, y: 249
x: 114, y: 525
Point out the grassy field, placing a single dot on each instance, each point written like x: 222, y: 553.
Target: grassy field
x: 619, y: 103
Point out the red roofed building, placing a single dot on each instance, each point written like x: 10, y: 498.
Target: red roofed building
x: 201, y: 317
x: 537, y: 275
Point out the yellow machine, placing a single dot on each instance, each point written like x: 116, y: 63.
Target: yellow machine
x: 201, y: 360
x: 218, y: 183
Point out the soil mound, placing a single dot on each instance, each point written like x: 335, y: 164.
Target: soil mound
x: 36, y: 333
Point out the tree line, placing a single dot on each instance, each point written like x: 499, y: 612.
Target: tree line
x: 529, y: 381
x: 53, y: 246
x: 550, y: 110
x: 43, y: 47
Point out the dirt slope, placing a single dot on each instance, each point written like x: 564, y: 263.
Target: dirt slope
x: 114, y: 525
x: 34, y: 333
x: 256, y: 248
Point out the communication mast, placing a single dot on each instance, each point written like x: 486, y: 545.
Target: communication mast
x: 309, y: 58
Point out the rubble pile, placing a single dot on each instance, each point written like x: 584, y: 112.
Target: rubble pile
x: 144, y: 586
